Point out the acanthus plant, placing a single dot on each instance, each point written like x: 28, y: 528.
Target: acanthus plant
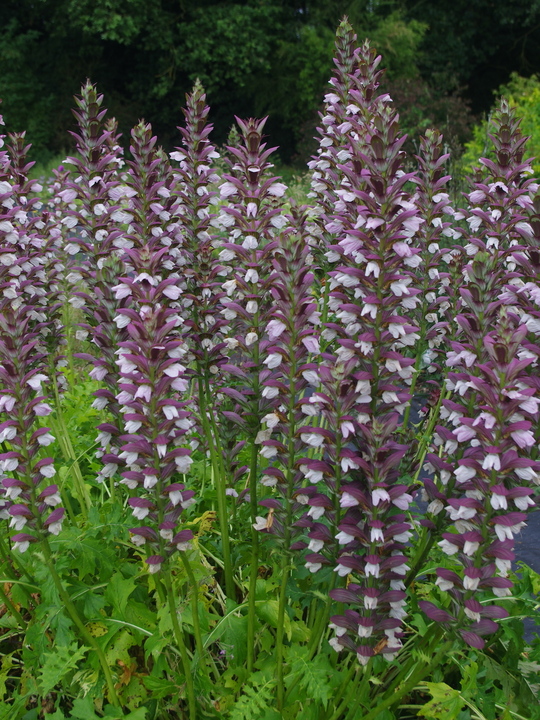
x: 95, y: 197
x: 46, y: 236
x: 372, y: 293
x: 334, y: 137
x: 33, y: 504
x: 46, y: 222
x: 220, y: 333
x: 293, y: 342
x: 249, y: 220
x: 435, y: 210
x: 152, y: 378
x: 485, y: 471
x: 202, y: 275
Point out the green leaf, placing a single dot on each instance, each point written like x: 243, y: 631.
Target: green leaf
x: 118, y: 650
x: 234, y: 638
x: 93, y: 603
x: 118, y: 591
x: 114, y: 713
x: 299, y: 631
x: 268, y: 613
x: 7, y: 664
x: 313, y: 674
x: 160, y: 687
x: 154, y: 646
x: 58, y: 663
x: 83, y: 709
x: 31, y: 715
x: 446, y: 704
x: 140, y: 615
x: 308, y: 712
x: 58, y: 715
x: 256, y: 701
x: 468, y: 681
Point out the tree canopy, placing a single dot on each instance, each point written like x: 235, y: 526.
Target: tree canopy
x: 254, y: 57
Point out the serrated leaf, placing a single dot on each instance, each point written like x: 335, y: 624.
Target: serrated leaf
x: 468, y: 681
x: 308, y: 712
x: 299, y: 631
x: 58, y: 715
x: 234, y: 638
x: 160, y: 687
x: 115, y: 714
x: 83, y: 709
x: 268, y: 612
x: 7, y: 664
x: 57, y: 664
x: 140, y: 615
x: 256, y: 701
x: 154, y: 646
x: 118, y: 650
x: 313, y: 674
x: 118, y: 591
x: 93, y: 603
x: 165, y: 625
x: 446, y: 704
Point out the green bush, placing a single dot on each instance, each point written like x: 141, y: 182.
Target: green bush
x: 524, y: 95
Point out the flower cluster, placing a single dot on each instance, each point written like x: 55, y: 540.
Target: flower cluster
x: 292, y: 346
x: 493, y: 479
x: 251, y: 218
x: 363, y: 383
x: 95, y: 200
x: 151, y: 375
x: 28, y: 500
x: 334, y: 134
x: 485, y: 471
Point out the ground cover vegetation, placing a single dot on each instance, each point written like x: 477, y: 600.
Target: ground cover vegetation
x: 263, y: 459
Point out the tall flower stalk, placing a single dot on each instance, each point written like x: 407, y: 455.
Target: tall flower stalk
x: 95, y: 197
x: 153, y: 382
x: 372, y: 293
x: 487, y: 456
x: 250, y: 219
x: 292, y: 340
x: 34, y: 505
x: 201, y: 282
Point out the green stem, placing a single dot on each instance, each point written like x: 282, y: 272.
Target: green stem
x: 194, y: 606
x: 68, y: 328
x: 179, y: 637
x: 218, y: 472
x: 72, y: 610
x: 280, y: 632
x: 345, y: 685
x: 67, y: 503
x: 66, y: 446
x: 12, y: 609
x: 11, y: 560
x: 360, y: 691
x: 254, y: 564
x: 432, y: 636
x: 426, y: 436
x: 322, y: 621
x: 350, y: 692
x: 425, y: 545
x: 407, y: 687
